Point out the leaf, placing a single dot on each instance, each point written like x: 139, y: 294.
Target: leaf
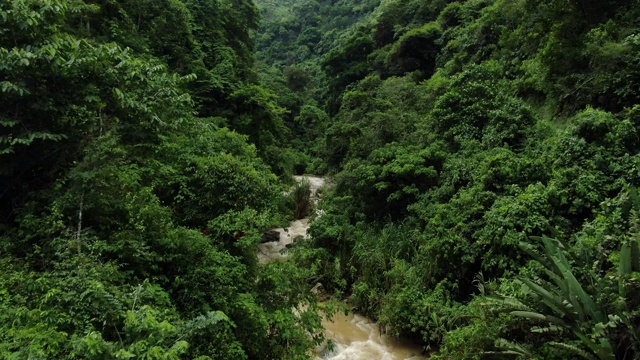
x: 574, y: 349
x: 512, y: 348
x: 551, y: 300
x: 205, y: 321
x: 547, y: 329
x: 538, y: 316
x: 507, y: 301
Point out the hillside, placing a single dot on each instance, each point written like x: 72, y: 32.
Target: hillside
x: 140, y: 160
x: 483, y: 159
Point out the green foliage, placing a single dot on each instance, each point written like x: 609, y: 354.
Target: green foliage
x: 301, y: 196
x: 128, y: 222
x: 293, y: 42
x: 99, y: 88
x: 434, y: 314
x: 347, y: 64
x: 509, y: 220
x: 391, y: 179
x: 510, y: 119
x: 415, y: 50
x: 590, y: 310
x: 297, y: 79
x: 478, y: 107
x: 376, y: 113
x: 215, y: 171
x: 140, y: 149
x: 477, y: 331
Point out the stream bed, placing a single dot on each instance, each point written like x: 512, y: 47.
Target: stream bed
x: 355, y: 337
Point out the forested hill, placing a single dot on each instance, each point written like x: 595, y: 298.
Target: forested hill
x: 140, y: 159
x: 484, y: 157
x: 293, y: 39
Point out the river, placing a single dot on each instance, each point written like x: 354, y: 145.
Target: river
x: 355, y: 337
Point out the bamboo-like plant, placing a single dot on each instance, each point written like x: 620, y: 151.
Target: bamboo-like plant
x: 563, y: 302
x: 302, y: 198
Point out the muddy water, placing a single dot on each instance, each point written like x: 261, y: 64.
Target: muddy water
x: 277, y: 250
x: 355, y: 337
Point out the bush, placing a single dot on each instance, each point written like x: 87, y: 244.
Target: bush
x: 301, y: 196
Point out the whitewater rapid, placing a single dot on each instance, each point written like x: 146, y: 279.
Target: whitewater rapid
x: 354, y: 337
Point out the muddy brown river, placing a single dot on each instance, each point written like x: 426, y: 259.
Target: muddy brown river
x: 355, y: 337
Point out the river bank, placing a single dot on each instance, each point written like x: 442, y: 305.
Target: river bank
x: 354, y: 336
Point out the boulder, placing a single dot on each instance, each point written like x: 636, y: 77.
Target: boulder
x: 271, y: 235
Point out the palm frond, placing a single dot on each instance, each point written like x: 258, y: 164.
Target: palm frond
x: 547, y: 329
x: 538, y: 316
x: 512, y: 348
x: 575, y: 350
x: 508, y: 302
x: 551, y: 300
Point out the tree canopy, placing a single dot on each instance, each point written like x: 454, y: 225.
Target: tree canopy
x: 135, y: 146
x: 483, y: 159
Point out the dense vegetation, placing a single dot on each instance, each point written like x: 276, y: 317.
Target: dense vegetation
x: 136, y: 149
x: 458, y: 130
x: 293, y: 38
x: 484, y: 154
